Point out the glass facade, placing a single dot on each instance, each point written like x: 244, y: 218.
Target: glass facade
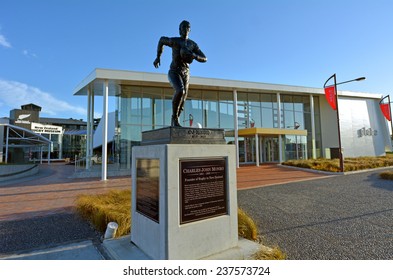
x: 146, y: 108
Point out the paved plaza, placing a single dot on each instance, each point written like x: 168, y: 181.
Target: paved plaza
x: 308, y: 215
x: 339, y: 217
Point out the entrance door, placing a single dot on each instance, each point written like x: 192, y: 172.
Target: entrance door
x: 270, y: 149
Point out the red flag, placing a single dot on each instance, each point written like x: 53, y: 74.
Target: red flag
x: 330, y: 94
x: 385, y: 108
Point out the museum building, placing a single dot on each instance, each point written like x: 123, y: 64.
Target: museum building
x: 268, y: 123
x: 26, y: 137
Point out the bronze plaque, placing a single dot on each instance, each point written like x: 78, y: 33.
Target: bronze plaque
x: 148, y: 188
x: 203, y: 189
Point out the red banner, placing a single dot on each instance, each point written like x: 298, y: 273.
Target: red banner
x: 330, y: 94
x: 385, y: 108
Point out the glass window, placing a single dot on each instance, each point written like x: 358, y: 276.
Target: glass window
x: 298, y: 103
x: 289, y: 120
x: 193, y: 107
x: 168, y: 94
x: 152, y: 107
x: 194, y: 94
x: 267, y: 117
x: 158, y: 112
x: 253, y: 99
x: 210, y: 109
x: 210, y: 114
x: 317, y: 121
x: 243, y: 114
x: 287, y: 103
x: 241, y: 96
x: 167, y: 111
x: 147, y: 111
x: 255, y: 117
x: 316, y: 105
x: 274, y: 101
x: 210, y: 95
x: 226, y: 96
x: 266, y: 100
x: 306, y: 104
x: 275, y: 118
x: 136, y: 110
x: 299, y: 118
x: 226, y: 115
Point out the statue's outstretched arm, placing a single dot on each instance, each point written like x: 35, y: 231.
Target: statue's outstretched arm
x: 164, y: 41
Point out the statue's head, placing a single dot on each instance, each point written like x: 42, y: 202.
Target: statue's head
x: 184, y: 29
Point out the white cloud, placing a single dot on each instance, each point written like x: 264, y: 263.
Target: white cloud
x: 29, y: 54
x: 4, y: 42
x: 14, y: 94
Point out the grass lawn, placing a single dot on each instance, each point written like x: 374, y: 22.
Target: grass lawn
x: 115, y: 206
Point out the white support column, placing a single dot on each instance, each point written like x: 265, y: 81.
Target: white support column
x: 279, y: 126
x: 104, y: 119
x: 61, y: 144
x: 88, y: 132
x: 1, y: 142
x: 236, y: 128
x: 41, y: 154
x: 257, y: 149
x: 314, y: 146
x: 6, y: 144
x: 91, y: 125
x: 49, y: 150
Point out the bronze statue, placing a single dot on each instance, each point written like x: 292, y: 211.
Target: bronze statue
x: 184, y: 51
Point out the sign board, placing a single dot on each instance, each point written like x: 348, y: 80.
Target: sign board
x: 46, y: 129
x: 203, y: 189
x: 148, y: 187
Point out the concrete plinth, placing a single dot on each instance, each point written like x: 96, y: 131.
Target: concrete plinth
x: 184, y: 201
x: 183, y: 135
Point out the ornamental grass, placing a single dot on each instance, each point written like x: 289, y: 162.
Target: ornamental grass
x: 115, y: 206
x: 350, y: 164
x: 274, y: 253
x: 246, y: 226
x: 100, y: 209
x: 387, y: 175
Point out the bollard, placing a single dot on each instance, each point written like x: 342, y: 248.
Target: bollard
x: 111, y: 230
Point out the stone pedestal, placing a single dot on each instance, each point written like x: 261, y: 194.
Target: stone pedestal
x: 184, y: 201
x: 183, y: 135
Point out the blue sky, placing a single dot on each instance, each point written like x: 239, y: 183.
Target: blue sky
x: 48, y: 46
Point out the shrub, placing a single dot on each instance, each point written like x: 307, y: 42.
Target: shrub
x: 387, y: 175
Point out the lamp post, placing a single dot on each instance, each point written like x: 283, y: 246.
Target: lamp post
x: 332, y: 97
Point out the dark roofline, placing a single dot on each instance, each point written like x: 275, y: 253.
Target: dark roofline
x: 32, y: 105
x: 62, y: 121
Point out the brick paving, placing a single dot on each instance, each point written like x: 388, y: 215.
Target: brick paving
x: 51, y: 191
x: 249, y: 177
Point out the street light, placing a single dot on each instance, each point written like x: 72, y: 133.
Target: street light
x: 354, y: 80
x: 332, y: 98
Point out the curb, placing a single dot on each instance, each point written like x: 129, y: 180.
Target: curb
x: 335, y: 173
